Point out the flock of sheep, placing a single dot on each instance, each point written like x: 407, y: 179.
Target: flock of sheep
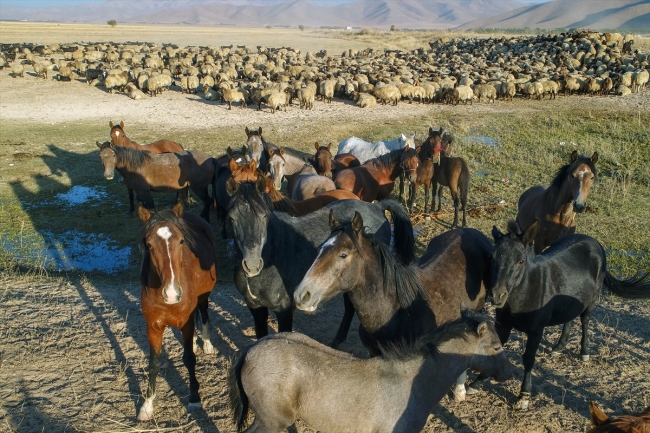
x: 458, y: 70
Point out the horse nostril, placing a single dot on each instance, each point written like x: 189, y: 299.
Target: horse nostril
x: 305, y: 296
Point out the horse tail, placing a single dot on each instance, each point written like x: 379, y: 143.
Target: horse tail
x: 631, y: 288
x: 403, y: 231
x: 237, y: 397
x: 217, y: 170
x: 463, y: 183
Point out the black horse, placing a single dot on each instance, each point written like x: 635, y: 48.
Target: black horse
x: 532, y: 292
x: 275, y: 250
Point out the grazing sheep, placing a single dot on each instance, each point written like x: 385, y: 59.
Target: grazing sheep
x: 531, y: 89
x: 115, y: 81
x: 639, y: 80
x: 593, y: 86
x: 326, y: 89
x: 463, y: 94
x: 387, y: 94
x: 571, y: 84
x: 486, y: 91
x: 93, y: 73
x: 407, y: 91
x: 18, y: 69
x: 183, y: 84
x: 278, y: 100
x: 606, y: 86
x: 209, y: 94
x: 623, y: 90
x: 365, y: 100
x: 42, y: 69
x: 235, y: 95
x: 306, y: 97
x: 550, y: 88
x: 208, y: 79
x: 156, y: 84
x: 134, y: 92
x: 508, y: 90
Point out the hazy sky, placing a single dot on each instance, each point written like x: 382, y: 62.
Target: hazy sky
x: 39, y: 3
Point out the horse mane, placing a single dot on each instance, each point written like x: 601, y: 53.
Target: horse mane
x: 428, y: 344
x: 388, y: 159
x: 247, y: 192
x: 131, y: 158
x: 281, y: 203
x: 564, y: 171
x: 189, y: 235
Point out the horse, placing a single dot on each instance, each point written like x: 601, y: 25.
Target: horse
x: 365, y: 151
x: 288, y: 376
x: 266, y: 275
x: 393, y: 301
x: 556, y: 206
x: 637, y: 423
x: 144, y: 172
x: 178, y: 272
x: 375, y: 179
x: 449, y: 171
x: 531, y: 292
x: 306, y: 184
x: 296, y: 208
x: 258, y: 148
x: 328, y: 166
x: 161, y: 146
x: 282, y: 164
x: 234, y: 164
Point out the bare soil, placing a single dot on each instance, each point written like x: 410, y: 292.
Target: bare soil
x: 74, y: 352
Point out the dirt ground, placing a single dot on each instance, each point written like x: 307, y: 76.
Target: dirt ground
x: 74, y: 352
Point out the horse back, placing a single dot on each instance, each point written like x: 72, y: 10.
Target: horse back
x: 529, y: 205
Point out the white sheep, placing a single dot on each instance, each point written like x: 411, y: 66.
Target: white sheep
x: 156, y: 84
x: 235, y: 95
x: 623, y: 90
x: 115, y: 81
x: 278, y: 100
x: 365, y: 100
x: 42, y: 68
x: 134, y: 92
x: 463, y: 94
x: 486, y: 91
x: 306, y: 97
x: 551, y: 88
x: 531, y: 89
x: 209, y: 94
x: 387, y: 94
x: 18, y: 69
x: 326, y: 89
x: 639, y: 80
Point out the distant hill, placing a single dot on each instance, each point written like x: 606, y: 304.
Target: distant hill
x: 593, y: 14
x: 422, y: 14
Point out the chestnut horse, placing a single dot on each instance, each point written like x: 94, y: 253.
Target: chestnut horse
x: 637, y: 423
x: 161, y: 146
x: 295, y: 208
x: 144, y: 172
x: 556, y: 206
x: 178, y: 272
x: 375, y: 179
x: 329, y: 166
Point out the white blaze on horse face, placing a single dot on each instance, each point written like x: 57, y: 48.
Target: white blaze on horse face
x: 170, y: 292
x: 117, y: 133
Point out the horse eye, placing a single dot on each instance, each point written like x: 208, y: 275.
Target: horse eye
x: 497, y: 348
x: 148, y: 245
x: 182, y: 241
x: 521, y: 262
x: 343, y: 256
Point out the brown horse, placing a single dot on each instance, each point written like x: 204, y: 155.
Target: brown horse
x: 556, y: 206
x: 448, y: 171
x: 637, y: 423
x: 306, y: 183
x: 144, y: 172
x: 161, y: 146
x: 375, y: 179
x: 329, y: 166
x: 296, y: 208
x: 178, y: 272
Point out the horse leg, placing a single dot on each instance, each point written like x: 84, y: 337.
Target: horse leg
x: 189, y: 359
x: 344, y: 328
x: 205, y: 328
x: 454, y: 196
x: 534, y: 338
x: 439, y: 197
x: 155, y: 347
x: 427, y: 191
x: 205, y: 197
x: 285, y: 318
x: 503, y: 331
x: 413, y: 191
x: 459, y: 390
x: 564, y: 339
x: 401, y: 189
x: 261, y: 318
x: 584, y: 344
x: 131, y: 206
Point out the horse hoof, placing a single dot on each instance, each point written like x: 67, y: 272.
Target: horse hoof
x: 459, y: 395
x: 554, y: 353
x: 522, y: 404
x: 471, y: 391
x: 208, y: 348
x: 146, y: 411
x: 193, y: 407
x: 585, y: 358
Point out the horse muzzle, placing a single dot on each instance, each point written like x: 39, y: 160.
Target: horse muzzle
x: 251, y: 268
x: 172, y: 294
x: 109, y: 174
x: 579, y: 207
x: 304, y: 299
x: 499, y: 297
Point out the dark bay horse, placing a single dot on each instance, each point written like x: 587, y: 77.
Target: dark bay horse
x: 556, y: 206
x: 266, y: 274
x: 144, y: 172
x: 637, y: 423
x: 295, y: 208
x: 375, y: 179
x: 178, y: 272
x: 531, y: 292
x: 393, y: 301
x: 234, y: 164
x: 258, y: 148
x: 428, y: 154
x: 329, y: 166
x: 288, y: 376
x: 161, y: 146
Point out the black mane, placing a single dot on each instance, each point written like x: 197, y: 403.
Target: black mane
x: 131, y: 158
x: 248, y: 193
x: 388, y: 159
x: 564, y: 172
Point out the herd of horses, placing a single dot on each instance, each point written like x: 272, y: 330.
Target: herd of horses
x: 329, y: 235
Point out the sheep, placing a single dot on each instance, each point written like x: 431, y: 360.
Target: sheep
x: 571, y: 84
x: 18, y: 69
x: 463, y: 94
x: 593, y: 86
x: 93, y: 73
x: 606, y: 86
x: 365, y: 100
x: 113, y: 81
x: 134, y: 92
x: 550, y: 88
x: 487, y: 91
x: 639, y: 80
x: 277, y: 100
x: 306, y: 97
x: 326, y: 89
x: 387, y: 94
x: 208, y: 79
x: 183, y: 84
x: 508, y: 90
x: 407, y: 91
x: 42, y: 68
x: 531, y: 89
x: 623, y: 90
x: 235, y: 95
x: 209, y: 94
x: 156, y: 84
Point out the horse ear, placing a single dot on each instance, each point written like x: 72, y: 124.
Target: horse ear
x: 260, y: 184
x: 574, y: 156
x: 430, y: 130
x: 598, y: 417
x: 271, y: 151
x: 232, y: 165
x: 530, y: 233
x: 259, y: 130
x: 406, y: 148
x: 441, y: 131
x: 244, y: 150
x: 178, y: 208
x: 357, y: 222
x: 282, y: 151
x: 231, y: 186
x: 329, y: 146
x: 334, y: 222
x: 316, y: 146
x: 110, y: 124
x: 594, y: 157
x: 143, y: 213
x: 252, y: 166
x: 229, y: 151
x: 248, y: 132
x: 122, y: 124
x: 482, y: 329
x: 98, y: 144
x: 418, y: 149
x: 496, y: 234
